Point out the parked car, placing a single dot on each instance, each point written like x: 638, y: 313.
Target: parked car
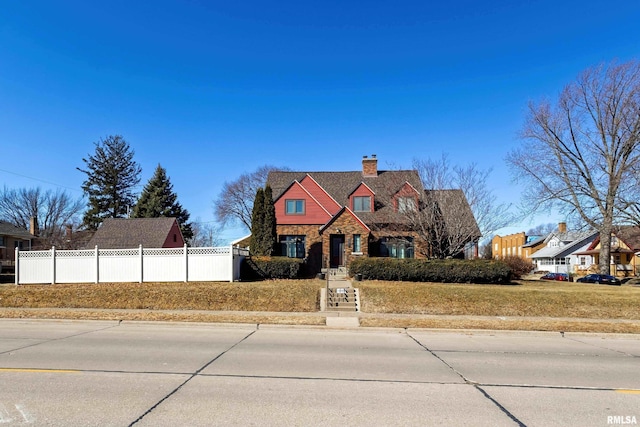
x: 605, y: 279
x: 556, y: 276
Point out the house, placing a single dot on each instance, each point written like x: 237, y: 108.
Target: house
x: 126, y: 233
x: 331, y: 218
x: 12, y: 237
x: 559, y: 253
x: 625, y: 247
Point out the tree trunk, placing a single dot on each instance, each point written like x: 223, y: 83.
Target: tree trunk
x: 605, y: 247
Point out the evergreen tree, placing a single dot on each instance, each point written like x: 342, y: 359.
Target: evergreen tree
x: 112, y: 175
x: 269, y: 230
x: 257, y: 224
x: 159, y: 200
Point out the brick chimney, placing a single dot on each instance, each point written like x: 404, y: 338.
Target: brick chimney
x: 370, y: 166
x: 33, y: 226
x: 562, y: 227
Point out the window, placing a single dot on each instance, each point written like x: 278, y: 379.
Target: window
x: 292, y: 246
x: 362, y: 203
x: 406, y: 204
x: 294, y: 207
x: 357, y: 243
x: 396, y: 247
x: 1, y: 240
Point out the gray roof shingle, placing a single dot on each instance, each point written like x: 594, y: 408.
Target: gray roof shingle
x: 123, y: 233
x: 340, y: 185
x: 8, y: 229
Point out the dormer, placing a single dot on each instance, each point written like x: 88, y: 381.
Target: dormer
x: 362, y: 199
x: 406, y: 199
x: 296, y: 205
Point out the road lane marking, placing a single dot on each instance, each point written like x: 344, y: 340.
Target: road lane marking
x: 628, y: 391
x: 55, y: 371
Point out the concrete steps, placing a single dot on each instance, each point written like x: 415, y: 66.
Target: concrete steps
x: 342, y: 299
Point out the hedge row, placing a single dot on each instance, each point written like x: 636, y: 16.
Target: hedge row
x: 259, y: 268
x: 419, y: 270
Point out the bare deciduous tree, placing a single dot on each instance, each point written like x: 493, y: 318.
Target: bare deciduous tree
x: 205, y: 234
x: 457, y: 207
x: 542, y: 229
x: 582, y: 154
x: 447, y: 208
x: 53, y: 211
x: 234, y: 205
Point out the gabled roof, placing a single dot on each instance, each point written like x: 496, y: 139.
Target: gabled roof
x: 581, y: 238
x: 322, y: 190
x: 362, y: 184
x: 123, y: 233
x: 630, y: 235
x: 307, y: 192
x: 339, y: 214
x: 404, y: 185
x: 339, y: 185
x: 456, y: 212
x: 8, y: 229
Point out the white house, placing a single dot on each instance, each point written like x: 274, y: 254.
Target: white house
x: 559, y: 254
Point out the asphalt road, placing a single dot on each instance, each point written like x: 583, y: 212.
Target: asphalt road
x: 92, y: 373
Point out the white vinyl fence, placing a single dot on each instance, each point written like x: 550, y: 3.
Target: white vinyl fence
x: 185, y: 264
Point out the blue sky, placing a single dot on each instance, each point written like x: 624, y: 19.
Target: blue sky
x: 211, y: 89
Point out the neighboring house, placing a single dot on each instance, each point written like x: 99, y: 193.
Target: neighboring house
x: 560, y: 252
x: 625, y: 246
x: 517, y: 244
x: 12, y: 237
x: 330, y: 218
x: 123, y: 233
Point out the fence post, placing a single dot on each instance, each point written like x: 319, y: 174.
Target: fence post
x: 141, y: 265
x: 53, y: 265
x: 186, y: 264
x: 16, y: 269
x: 233, y: 263
x: 97, y: 264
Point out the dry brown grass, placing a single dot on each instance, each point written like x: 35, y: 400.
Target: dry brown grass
x: 528, y: 305
x: 527, y: 298
x: 298, y: 296
x: 505, y: 324
x: 163, y: 316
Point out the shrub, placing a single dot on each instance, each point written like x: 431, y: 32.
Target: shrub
x: 420, y: 270
x: 519, y: 266
x: 259, y: 268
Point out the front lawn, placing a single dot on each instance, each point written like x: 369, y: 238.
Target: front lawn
x: 526, y: 305
x: 526, y: 298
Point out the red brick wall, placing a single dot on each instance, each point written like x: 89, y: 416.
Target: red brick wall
x: 348, y: 225
x: 312, y: 244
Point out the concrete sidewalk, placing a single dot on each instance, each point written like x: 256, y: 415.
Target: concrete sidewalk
x: 336, y: 319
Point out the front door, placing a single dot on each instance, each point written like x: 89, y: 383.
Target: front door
x: 336, y: 250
